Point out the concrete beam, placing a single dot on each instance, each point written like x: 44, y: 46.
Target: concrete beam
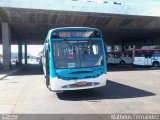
x: 6, y: 42
x: 4, y: 14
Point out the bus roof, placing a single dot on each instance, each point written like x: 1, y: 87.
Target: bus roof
x: 74, y: 28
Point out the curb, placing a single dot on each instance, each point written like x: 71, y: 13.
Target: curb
x: 9, y: 73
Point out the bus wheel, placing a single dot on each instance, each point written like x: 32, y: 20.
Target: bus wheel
x: 122, y: 62
x: 155, y: 64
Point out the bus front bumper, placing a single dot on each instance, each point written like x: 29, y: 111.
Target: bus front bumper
x: 57, y: 84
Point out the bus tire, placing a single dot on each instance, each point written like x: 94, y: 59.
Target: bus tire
x: 156, y: 64
x: 122, y: 62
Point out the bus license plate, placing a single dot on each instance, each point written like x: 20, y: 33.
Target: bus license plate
x: 82, y: 83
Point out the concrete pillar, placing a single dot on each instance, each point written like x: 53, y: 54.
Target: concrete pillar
x: 25, y: 53
x: 20, y: 53
x: 6, y: 42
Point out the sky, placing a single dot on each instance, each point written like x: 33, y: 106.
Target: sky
x: 153, y: 7
x: 145, y: 7
x: 31, y: 49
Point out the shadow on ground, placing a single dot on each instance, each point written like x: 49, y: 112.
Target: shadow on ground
x: 113, y: 90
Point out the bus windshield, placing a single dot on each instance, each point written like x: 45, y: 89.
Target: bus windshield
x: 76, y: 54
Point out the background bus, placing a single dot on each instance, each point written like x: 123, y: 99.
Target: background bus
x: 146, y: 57
x: 74, y: 58
x: 119, y: 57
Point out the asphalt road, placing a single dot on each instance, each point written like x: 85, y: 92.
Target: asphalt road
x: 129, y: 90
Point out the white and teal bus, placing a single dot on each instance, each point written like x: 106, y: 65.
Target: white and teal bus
x: 146, y: 57
x: 74, y: 58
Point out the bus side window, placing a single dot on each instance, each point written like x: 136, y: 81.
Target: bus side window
x: 156, y: 53
x: 145, y: 54
x: 139, y: 54
x: 148, y: 54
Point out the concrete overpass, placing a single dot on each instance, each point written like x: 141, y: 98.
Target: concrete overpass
x: 27, y: 22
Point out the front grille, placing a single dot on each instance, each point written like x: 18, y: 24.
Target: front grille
x: 75, y: 78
